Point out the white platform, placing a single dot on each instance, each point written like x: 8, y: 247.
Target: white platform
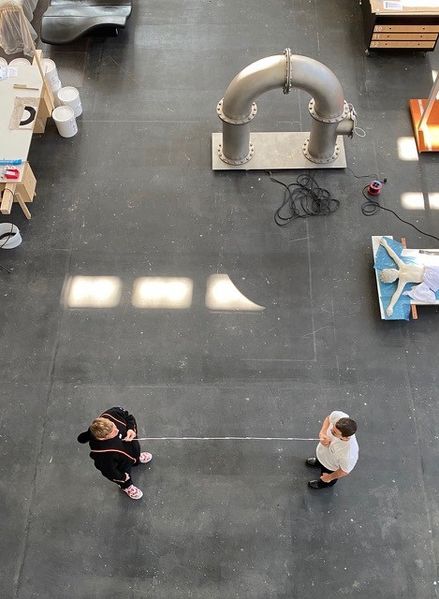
x: 430, y: 258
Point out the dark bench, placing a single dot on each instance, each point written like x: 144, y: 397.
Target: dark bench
x: 66, y: 20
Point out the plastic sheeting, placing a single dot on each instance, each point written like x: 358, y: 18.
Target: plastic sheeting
x: 16, y: 32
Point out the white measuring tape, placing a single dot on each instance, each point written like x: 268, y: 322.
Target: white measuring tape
x: 226, y: 439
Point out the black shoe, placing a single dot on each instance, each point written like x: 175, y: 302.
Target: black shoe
x: 316, y: 484
x: 312, y: 462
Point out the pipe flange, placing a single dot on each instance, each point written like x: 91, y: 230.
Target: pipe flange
x: 288, y: 84
x: 305, y: 150
x: 321, y: 119
x: 226, y: 119
x: 233, y: 162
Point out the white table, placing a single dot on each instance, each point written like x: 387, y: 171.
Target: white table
x: 15, y: 143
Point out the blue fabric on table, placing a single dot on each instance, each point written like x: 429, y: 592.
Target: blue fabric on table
x: 401, y: 311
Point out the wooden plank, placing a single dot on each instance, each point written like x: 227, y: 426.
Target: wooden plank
x: 419, y: 37
x: 22, y: 203
x: 28, y: 184
x: 46, y: 91
x: 7, y: 197
x: 384, y: 44
x: 407, y: 28
x: 375, y: 247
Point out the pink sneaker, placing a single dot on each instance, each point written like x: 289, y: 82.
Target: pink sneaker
x: 145, y: 457
x: 133, y: 492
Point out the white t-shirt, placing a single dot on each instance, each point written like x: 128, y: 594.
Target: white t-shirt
x: 339, y: 454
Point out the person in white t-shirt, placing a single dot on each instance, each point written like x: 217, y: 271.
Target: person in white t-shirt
x: 337, y: 452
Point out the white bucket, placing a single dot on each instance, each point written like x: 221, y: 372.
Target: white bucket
x: 69, y: 96
x: 65, y: 121
x: 19, y: 61
x: 12, y: 237
x: 51, y: 74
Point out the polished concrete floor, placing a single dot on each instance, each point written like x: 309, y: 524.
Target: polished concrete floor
x: 133, y: 196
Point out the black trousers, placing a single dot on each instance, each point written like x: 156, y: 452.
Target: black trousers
x: 322, y: 470
x: 136, y: 451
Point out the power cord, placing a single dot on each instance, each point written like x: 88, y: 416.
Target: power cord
x: 303, y: 198
x: 371, y: 206
x: 359, y: 131
x: 372, y: 176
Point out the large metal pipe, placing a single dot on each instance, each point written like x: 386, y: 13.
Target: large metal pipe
x: 327, y: 107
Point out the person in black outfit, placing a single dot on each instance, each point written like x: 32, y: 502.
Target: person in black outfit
x: 114, y: 449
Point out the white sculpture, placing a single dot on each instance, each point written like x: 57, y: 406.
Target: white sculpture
x: 426, y: 276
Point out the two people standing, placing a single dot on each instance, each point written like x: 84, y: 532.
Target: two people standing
x: 115, y: 450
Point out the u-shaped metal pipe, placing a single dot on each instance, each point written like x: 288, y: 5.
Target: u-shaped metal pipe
x: 327, y: 107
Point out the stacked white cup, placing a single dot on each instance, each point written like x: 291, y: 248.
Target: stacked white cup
x: 51, y: 75
x: 69, y: 96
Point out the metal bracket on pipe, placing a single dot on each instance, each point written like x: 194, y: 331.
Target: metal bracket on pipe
x: 236, y: 162
x: 288, y: 85
x: 226, y: 119
x: 335, y: 155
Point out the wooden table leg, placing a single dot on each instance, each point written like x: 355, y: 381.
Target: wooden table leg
x: 26, y: 188
x: 7, y: 197
x: 25, y: 209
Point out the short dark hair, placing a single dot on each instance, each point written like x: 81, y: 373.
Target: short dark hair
x: 346, y: 426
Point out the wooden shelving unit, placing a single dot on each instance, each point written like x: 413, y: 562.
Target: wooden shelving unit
x: 396, y: 25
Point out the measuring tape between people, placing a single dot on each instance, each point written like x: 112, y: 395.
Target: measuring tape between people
x: 226, y: 439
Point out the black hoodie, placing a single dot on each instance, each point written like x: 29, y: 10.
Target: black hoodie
x: 114, y: 457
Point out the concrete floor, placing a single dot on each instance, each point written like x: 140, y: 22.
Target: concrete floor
x: 133, y: 195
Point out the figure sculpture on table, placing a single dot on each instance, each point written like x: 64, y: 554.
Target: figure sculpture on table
x: 427, y: 278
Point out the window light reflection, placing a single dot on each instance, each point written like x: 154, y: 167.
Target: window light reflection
x: 171, y: 293
x: 407, y: 149
x: 222, y: 294
x: 433, y: 201
x: 92, y: 292
x: 415, y: 201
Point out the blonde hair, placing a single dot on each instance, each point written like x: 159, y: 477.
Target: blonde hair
x: 101, y: 427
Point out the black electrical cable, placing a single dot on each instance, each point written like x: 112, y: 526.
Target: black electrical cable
x: 303, y: 198
x: 372, y: 206
x: 372, y: 176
